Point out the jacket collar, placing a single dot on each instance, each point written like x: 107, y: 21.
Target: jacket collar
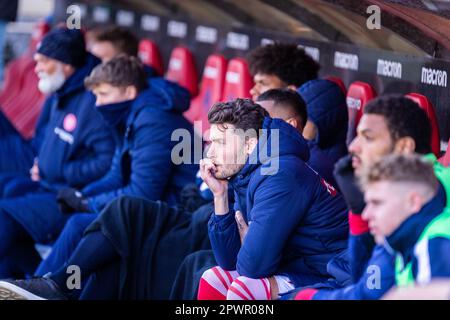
x: 75, y: 82
x: 406, y: 236
x: 242, y: 178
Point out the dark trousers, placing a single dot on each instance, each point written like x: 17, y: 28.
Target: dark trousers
x: 25, y: 220
x: 66, y: 243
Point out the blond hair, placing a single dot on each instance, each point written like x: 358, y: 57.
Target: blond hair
x: 401, y: 168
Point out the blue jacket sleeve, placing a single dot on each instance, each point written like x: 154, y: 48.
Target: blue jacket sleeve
x: 320, y: 163
x: 360, y: 251
x: 151, y: 163
x: 110, y: 181
x: 438, y: 249
x: 225, y: 240
x: 375, y: 281
x: 271, y: 224
x: 97, y: 161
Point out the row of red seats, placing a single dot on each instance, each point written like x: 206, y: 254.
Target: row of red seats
x: 222, y: 83
x: 222, y: 80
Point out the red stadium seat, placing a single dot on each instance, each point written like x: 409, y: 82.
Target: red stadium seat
x: 426, y: 105
x: 14, y: 74
x: 17, y: 68
x: 339, y: 82
x: 182, y: 69
x: 238, y: 80
x: 211, y: 89
x: 20, y: 99
x: 150, y: 55
x: 25, y: 109
x: 359, y: 93
x: 445, y: 159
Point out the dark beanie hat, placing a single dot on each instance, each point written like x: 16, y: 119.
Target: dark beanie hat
x: 65, y: 45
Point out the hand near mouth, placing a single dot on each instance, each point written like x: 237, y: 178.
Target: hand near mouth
x: 218, y: 187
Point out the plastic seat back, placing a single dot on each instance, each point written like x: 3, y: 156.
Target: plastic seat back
x: 182, y: 69
x: 358, y: 95
x: 238, y: 80
x: 427, y: 106
x: 150, y: 55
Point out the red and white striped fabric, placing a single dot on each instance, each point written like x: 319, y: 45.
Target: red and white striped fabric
x: 219, y: 284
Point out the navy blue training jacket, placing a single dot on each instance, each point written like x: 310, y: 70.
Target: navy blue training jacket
x: 327, y: 109
x: 75, y: 144
x: 142, y: 165
x: 296, y: 224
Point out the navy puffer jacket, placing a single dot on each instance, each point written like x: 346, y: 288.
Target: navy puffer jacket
x: 142, y: 165
x: 75, y: 144
x: 327, y: 109
x: 296, y: 223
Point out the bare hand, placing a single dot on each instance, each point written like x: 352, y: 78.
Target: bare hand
x: 242, y: 225
x: 218, y: 187
x: 34, y: 171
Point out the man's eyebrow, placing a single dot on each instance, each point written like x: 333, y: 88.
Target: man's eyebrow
x: 366, y: 130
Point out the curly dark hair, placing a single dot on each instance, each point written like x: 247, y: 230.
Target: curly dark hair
x: 404, y: 118
x: 287, y: 61
x: 242, y: 113
x: 121, y: 71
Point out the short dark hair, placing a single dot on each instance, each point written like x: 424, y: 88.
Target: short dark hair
x: 242, y: 113
x: 121, y: 38
x: 287, y: 98
x: 121, y: 71
x: 404, y: 118
x: 287, y: 61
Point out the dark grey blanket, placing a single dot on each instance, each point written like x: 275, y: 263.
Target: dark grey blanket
x: 152, y: 240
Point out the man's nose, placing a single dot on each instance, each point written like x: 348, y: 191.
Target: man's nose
x: 354, y: 145
x: 254, y: 92
x: 366, y: 213
x: 210, y: 152
x: 37, y: 69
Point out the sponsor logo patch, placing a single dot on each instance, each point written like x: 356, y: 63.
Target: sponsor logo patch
x: 70, y: 122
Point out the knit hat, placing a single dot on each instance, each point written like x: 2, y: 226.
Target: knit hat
x: 65, y: 45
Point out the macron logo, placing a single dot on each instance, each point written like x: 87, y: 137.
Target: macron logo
x: 389, y: 68
x: 434, y: 77
x: 346, y: 61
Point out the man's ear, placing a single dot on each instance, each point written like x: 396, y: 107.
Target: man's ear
x: 405, y: 145
x: 295, y: 123
x: 67, y: 69
x: 415, y: 201
x: 250, y: 144
x: 292, y: 87
x: 131, y: 92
